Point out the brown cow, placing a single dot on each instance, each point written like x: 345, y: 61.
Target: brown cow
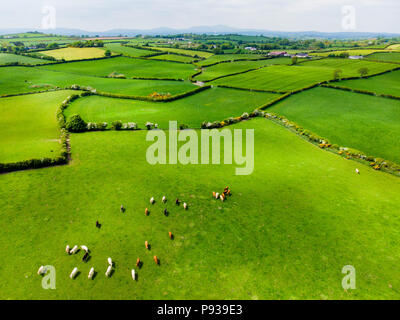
x: 146, y: 212
x: 146, y: 244
x: 156, y: 260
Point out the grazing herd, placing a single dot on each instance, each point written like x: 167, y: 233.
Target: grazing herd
x: 223, y: 195
x: 42, y: 270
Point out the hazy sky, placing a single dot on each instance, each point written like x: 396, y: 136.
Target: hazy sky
x: 285, y: 15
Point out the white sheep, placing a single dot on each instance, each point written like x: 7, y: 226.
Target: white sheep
x: 133, y: 274
x: 41, y: 270
x: 357, y: 171
x: 152, y: 200
x: 85, y: 248
x: 185, y: 205
x: 91, y: 273
x: 74, y: 250
x: 110, y: 261
x: 164, y: 199
x: 67, y: 249
x: 73, y: 273
x: 108, y: 272
x: 217, y: 195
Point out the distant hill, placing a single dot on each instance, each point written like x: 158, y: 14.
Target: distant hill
x: 218, y: 29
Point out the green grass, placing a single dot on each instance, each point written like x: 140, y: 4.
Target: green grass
x: 214, y: 104
x: 28, y: 126
x: 353, y: 52
x: 201, y: 54
x: 74, y: 53
x: 127, y: 51
x: 369, y: 124
x: 172, y: 57
x: 229, y: 57
x: 388, y: 83
x: 130, y: 67
x: 9, y: 58
x: 227, y: 68
x: 22, y: 79
x: 387, y: 56
x: 285, y: 233
x: 287, y: 78
x: 350, y: 67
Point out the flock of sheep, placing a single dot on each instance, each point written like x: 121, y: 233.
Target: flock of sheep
x: 42, y: 270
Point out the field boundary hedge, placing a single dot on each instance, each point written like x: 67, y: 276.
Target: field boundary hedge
x: 348, y: 153
x: 178, y: 96
x: 228, y: 75
x: 63, y: 158
x: 52, y: 62
x: 362, y: 91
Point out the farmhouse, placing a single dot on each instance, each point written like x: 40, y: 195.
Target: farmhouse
x: 250, y: 48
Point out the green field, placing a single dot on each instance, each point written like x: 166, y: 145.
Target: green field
x: 28, y: 126
x: 127, y: 51
x: 289, y: 227
x: 74, y: 53
x: 36, y: 79
x: 290, y: 237
x: 353, y: 52
x: 229, y: 57
x: 388, y: 83
x: 201, y: 54
x: 172, y: 57
x: 223, y: 69
x: 130, y: 67
x: 387, y: 56
x: 287, y: 78
x: 6, y: 58
x: 369, y: 124
x: 214, y: 104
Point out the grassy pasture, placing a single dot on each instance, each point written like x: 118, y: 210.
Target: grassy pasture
x: 214, y: 104
x: 350, y: 67
x: 201, y: 54
x: 28, y: 126
x: 9, y: 58
x: 367, y: 123
x: 74, y: 53
x: 172, y: 57
x: 36, y: 79
x: 394, y: 47
x: 127, y: 51
x: 386, y: 56
x: 226, y: 68
x: 388, y: 83
x: 278, y: 77
x: 353, y: 52
x: 129, y: 67
x: 282, y: 78
x: 287, y: 226
x: 229, y: 57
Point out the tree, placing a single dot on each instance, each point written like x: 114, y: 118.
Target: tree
x: 294, y: 60
x: 337, y: 74
x: 76, y: 124
x: 363, y: 71
x: 107, y: 53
